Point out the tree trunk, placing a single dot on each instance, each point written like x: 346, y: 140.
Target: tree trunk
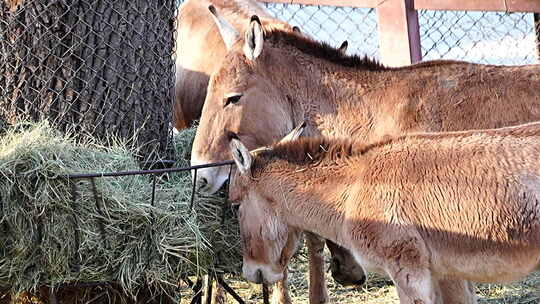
x: 95, y: 67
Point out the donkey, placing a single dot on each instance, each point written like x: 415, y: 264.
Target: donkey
x: 201, y: 49
x: 419, y: 208
x: 271, y: 80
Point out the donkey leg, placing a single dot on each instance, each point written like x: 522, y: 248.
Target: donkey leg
x: 457, y: 291
x: 318, y: 292
x: 280, y: 291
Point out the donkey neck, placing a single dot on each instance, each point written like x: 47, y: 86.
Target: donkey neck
x: 308, y: 205
x: 332, y: 99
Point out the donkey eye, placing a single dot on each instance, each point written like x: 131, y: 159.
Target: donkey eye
x: 232, y: 99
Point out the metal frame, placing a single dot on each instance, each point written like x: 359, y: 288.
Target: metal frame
x: 197, y: 287
x: 399, y: 31
x: 528, y: 6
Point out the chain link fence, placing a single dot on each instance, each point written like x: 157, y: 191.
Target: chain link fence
x: 482, y: 37
x: 105, y: 66
x: 333, y: 24
x: 96, y: 68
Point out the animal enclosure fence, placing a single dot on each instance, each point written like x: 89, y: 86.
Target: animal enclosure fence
x: 484, y: 33
x: 94, y: 67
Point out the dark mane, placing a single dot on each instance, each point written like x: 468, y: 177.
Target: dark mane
x: 322, y: 50
x: 308, y: 150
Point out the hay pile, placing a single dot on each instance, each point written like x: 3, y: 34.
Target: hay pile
x: 47, y: 238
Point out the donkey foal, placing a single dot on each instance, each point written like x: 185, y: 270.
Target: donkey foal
x: 421, y: 208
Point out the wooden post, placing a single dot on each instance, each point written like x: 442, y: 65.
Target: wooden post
x: 537, y: 33
x: 399, y: 33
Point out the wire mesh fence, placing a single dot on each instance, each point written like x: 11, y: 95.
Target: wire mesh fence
x: 484, y: 37
x: 333, y: 24
x: 99, y: 67
x: 106, y: 66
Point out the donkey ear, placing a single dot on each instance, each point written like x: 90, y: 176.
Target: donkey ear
x: 296, y: 29
x: 254, y: 39
x: 294, y: 134
x: 228, y: 33
x: 343, y: 47
x: 241, y: 155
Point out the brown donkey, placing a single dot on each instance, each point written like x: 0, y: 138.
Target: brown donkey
x: 202, y: 52
x: 201, y: 49
x: 418, y: 208
x: 272, y: 80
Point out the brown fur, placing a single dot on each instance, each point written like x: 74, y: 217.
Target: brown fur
x: 306, y: 151
x: 423, y: 208
x: 14, y: 4
x: 200, y: 50
x: 341, y: 96
x: 194, y: 65
x: 201, y: 55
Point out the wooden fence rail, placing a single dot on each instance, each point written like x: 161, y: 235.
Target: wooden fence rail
x: 399, y: 32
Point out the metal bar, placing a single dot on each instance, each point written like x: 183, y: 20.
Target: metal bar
x: 350, y: 3
x: 100, y: 223
x: 229, y: 290
x: 229, y: 178
x: 152, y: 222
x: 153, y: 190
x: 193, y: 190
x: 209, y: 283
x: 479, y: 5
x: 143, y: 172
x: 536, y: 17
x: 456, y: 5
x: 75, y: 227
x: 266, y: 298
x: 197, y: 292
x: 225, y: 205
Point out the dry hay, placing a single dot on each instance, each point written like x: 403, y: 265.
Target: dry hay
x: 49, y: 238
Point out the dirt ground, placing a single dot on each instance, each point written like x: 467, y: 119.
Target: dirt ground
x: 377, y: 290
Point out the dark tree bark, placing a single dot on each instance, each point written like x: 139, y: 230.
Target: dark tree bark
x: 96, y: 67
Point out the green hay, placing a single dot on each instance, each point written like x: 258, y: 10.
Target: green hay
x: 46, y: 237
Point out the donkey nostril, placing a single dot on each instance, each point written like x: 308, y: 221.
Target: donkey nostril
x: 202, y: 182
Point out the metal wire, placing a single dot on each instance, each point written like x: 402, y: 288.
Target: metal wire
x: 93, y: 67
x: 482, y: 37
x: 333, y: 24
